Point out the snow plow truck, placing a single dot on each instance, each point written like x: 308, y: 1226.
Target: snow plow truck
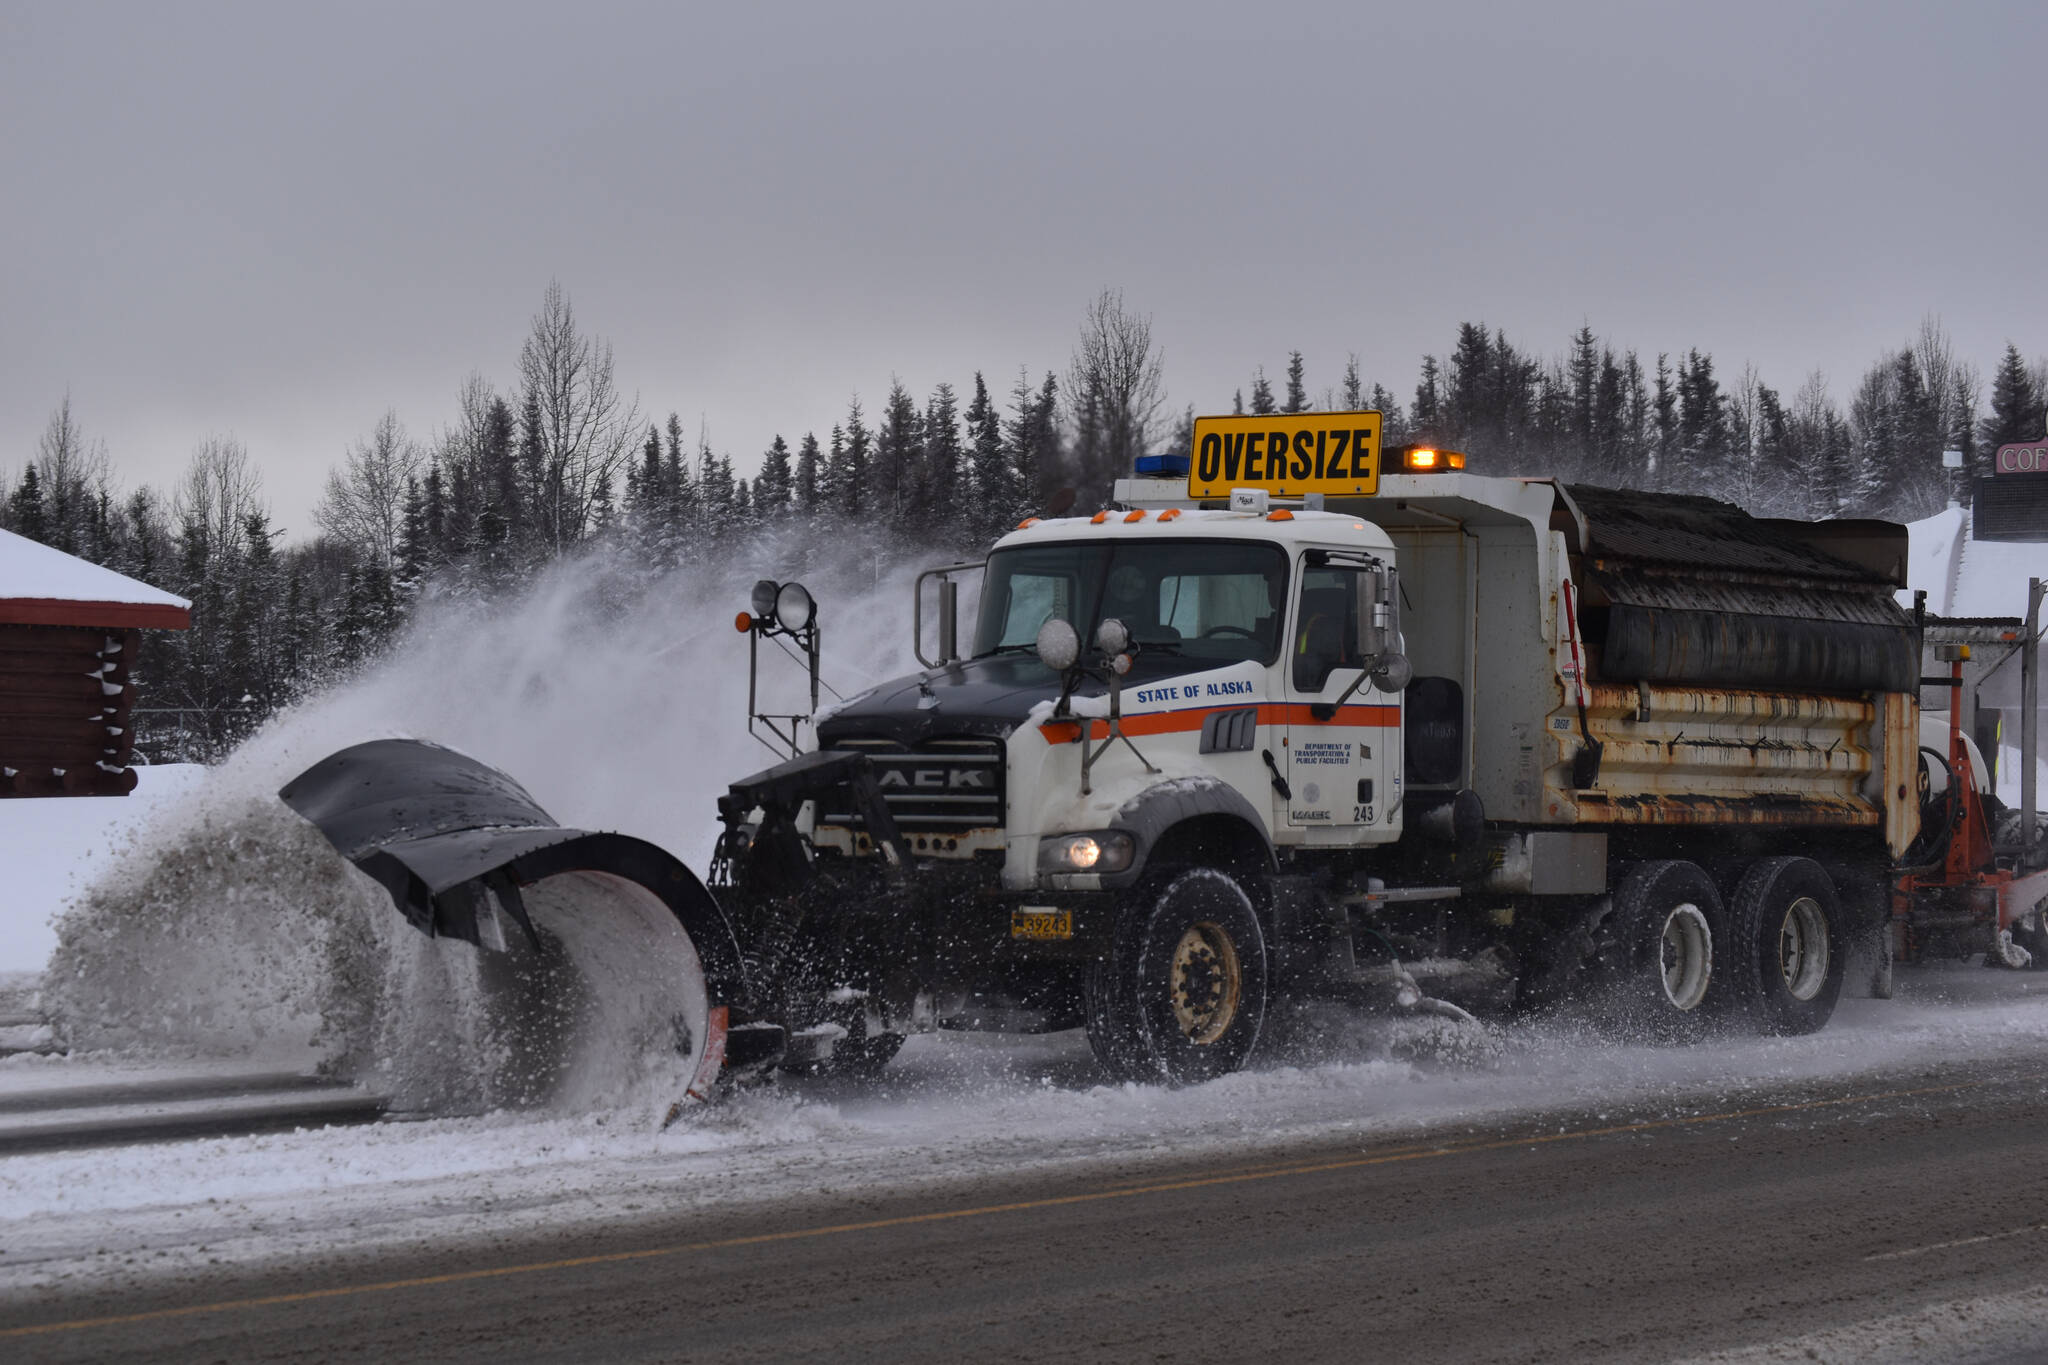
x: 1296, y: 717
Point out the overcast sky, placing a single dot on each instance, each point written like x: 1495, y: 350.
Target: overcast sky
x: 278, y: 220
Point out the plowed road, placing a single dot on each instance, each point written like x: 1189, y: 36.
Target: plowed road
x: 1919, y: 1201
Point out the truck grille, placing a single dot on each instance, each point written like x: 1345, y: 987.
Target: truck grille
x: 942, y: 786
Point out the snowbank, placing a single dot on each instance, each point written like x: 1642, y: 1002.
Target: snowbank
x: 1964, y: 577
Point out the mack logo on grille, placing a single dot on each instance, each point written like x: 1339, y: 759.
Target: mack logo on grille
x: 937, y: 779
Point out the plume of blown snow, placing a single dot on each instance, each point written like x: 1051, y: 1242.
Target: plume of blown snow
x: 618, y: 699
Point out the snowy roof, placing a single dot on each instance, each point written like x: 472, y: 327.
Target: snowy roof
x: 40, y: 586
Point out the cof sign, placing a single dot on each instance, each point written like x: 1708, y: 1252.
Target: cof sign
x: 1286, y: 454
x: 2022, y: 457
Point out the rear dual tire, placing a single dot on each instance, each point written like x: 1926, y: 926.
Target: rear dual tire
x: 1663, y: 938
x: 1772, y: 956
x: 1790, y: 944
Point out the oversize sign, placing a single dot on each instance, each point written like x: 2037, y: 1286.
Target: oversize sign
x: 1307, y: 452
x: 2022, y: 457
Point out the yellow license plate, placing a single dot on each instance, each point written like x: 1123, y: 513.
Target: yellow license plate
x: 1041, y: 924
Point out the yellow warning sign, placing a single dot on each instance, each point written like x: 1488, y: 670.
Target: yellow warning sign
x: 1286, y: 454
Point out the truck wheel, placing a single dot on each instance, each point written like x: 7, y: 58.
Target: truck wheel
x: 1666, y: 928
x: 1182, y: 995
x: 1789, y: 944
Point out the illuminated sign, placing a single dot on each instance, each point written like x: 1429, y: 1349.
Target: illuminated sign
x: 2022, y: 457
x: 1288, y: 455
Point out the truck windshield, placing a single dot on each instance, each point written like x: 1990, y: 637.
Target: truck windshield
x: 1217, y: 601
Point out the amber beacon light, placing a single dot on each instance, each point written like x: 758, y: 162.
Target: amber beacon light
x: 1427, y: 460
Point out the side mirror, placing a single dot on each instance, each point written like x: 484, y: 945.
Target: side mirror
x: 1391, y: 672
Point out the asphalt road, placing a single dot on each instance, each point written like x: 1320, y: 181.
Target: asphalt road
x: 1646, y: 1235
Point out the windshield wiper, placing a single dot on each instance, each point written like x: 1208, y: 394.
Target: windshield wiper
x: 1007, y: 649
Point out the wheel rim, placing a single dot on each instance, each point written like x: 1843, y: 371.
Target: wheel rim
x: 1686, y: 956
x: 1205, y: 983
x: 1803, y: 948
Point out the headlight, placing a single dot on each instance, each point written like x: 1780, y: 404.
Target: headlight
x: 1105, y: 851
x: 1059, y: 644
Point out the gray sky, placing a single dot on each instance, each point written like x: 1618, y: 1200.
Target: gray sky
x: 278, y: 220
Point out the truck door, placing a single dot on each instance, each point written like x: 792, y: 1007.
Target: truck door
x: 1339, y: 756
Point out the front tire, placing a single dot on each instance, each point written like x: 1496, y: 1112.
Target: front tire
x: 1790, y: 946
x: 1182, y: 996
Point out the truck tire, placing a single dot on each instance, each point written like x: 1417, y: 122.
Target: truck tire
x: 1662, y: 946
x: 1790, y: 946
x: 1181, y: 998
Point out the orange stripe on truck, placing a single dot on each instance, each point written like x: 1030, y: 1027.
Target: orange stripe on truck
x: 1177, y: 722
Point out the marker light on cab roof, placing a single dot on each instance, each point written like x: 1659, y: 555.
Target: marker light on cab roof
x: 1426, y: 460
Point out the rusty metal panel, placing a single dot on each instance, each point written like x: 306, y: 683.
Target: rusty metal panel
x: 1896, y: 782
x: 1709, y: 756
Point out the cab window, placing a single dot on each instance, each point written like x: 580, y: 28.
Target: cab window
x: 1326, y: 625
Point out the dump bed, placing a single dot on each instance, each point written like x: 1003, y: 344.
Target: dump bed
x: 1725, y: 669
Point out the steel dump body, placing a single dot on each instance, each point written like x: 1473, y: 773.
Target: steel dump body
x: 1732, y: 671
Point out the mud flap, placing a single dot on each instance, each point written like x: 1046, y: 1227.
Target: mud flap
x: 452, y: 841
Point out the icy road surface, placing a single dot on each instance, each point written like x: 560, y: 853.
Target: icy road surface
x: 952, y: 1108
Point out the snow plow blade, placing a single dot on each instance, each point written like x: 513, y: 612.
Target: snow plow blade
x: 455, y: 842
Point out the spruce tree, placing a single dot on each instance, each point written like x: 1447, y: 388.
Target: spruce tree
x: 415, y: 558
x: 1471, y: 408
x: 1354, y: 387
x: 809, y: 470
x: 1703, y: 445
x: 435, y: 496
x: 1393, y: 422
x: 896, y: 469
x: 854, y: 493
x: 1606, y: 460
x: 1586, y: 375
x: 26, y: 506
x: 1425, y: 419
x: 1913, y: 485
x: 2016, y: 405
x: 1664, y: 448
x: 773, y: 486
x: 944, y: 496
x: 1262, y: 393
x: 1297, y: 388
x: 991, y: 488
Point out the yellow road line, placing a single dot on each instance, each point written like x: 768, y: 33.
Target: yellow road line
x: 1237, y: 1177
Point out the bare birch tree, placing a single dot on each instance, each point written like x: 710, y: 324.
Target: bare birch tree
x: 587, y: 431
x: 214, y: 500
x: 364, y: 504
x: 1114, y: 392
x: 75, y: 474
